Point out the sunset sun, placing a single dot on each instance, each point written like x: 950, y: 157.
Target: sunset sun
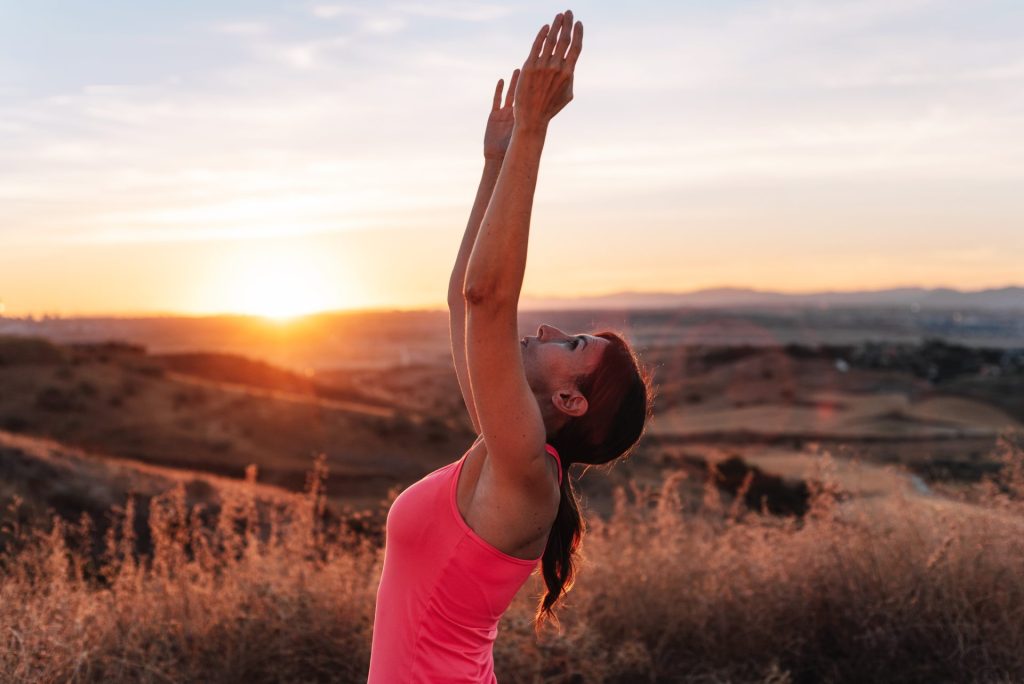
x: 280, y: 286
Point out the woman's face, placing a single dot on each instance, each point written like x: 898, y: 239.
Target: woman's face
x: 554, y: 360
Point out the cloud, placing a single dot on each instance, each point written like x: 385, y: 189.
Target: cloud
x: 835, y: 14
x: 750, y: 96
x: 331, y: 11
x: 383, y: 25
x: 459, y: 11
x: 882, y: 75
x: 308, y: 54
x: 242, y: 28
x: 440, y: 9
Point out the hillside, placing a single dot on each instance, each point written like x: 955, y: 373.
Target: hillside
x: 50, y: 478
x: 936, y: 408
x: 118, y: 400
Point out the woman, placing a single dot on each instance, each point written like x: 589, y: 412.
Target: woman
x: 464, y: 539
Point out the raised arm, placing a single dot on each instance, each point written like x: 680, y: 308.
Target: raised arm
x: 496, y: 138
x: 510, y: 419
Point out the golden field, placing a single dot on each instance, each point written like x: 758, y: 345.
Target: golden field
x: 790, y: 517
x: 909, y: 590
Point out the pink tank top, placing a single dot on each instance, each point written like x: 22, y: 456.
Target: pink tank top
x: 442, y: 589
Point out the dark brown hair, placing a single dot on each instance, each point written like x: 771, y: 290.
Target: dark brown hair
x: 619, y: 396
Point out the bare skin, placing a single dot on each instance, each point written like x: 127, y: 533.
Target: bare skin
x: 518, y: 391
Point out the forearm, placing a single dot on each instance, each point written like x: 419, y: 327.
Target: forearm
x: 497, y: 262
x: 488, y: 179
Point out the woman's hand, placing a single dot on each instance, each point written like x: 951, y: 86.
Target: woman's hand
x: 545, y: 84
x: 501, y: 120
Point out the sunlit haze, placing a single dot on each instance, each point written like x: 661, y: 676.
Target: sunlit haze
x: 279, y: 158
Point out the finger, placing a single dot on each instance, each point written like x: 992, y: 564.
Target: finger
x: 576, y: 47
x: 563, y: 37
x: 537, y: 42
x: 512, y: 83
x: 497, y: 95
x: 549, y: 40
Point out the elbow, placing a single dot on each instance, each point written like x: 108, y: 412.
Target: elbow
x: 487, y: 296
x: 475, y: 294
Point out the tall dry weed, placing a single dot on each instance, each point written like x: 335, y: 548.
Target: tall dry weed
x: 906, y: 589
x: 255, y: 596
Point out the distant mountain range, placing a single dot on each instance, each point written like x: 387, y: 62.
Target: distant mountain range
x: 1005, y: 298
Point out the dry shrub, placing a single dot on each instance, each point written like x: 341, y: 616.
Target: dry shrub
x: 912, y: 589
x: 246, y: 600
x: 907, y: 589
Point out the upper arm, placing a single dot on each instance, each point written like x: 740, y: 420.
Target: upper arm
x: 510, y: 419
x: 457, y: 328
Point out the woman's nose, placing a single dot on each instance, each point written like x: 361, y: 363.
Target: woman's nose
x: 546, y: 332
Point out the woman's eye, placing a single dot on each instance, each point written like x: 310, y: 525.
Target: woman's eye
x: 575, y: 342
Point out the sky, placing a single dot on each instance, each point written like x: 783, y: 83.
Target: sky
x: 283, y: 157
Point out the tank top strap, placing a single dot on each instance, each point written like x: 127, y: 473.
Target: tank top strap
x: 554, y: 452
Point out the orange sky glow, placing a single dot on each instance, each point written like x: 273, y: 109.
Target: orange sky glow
x: 298, y: 158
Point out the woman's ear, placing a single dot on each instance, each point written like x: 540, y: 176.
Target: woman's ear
x: 570, y: 402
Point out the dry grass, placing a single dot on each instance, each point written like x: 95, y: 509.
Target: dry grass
x: 917, y: 589
x: 261, y: 596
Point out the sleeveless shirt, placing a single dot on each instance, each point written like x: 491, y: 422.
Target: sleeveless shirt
x: 442, y: 590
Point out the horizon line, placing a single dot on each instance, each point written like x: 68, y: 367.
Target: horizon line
x: 441, y: 306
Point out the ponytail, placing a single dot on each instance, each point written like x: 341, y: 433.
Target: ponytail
x: 559, y: 562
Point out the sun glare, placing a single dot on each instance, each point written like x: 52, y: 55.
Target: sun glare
x: 280, y: 286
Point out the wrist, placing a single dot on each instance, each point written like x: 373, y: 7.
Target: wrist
x: 537, y: 129
x: 494, y: 157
